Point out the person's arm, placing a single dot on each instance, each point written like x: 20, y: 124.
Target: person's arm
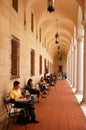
x: 20, y: 94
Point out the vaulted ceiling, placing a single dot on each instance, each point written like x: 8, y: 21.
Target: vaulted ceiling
x: 66, y: 12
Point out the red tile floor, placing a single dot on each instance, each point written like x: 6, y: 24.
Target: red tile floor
x: 59, y: 111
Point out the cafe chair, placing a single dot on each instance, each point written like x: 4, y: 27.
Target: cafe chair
x: 12, y: 113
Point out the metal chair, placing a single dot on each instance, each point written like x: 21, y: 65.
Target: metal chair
x: 12, y: 112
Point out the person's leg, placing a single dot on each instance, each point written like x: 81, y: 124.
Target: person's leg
x: 33, y: 115
x: 31, y: 102
x: 38, y: 95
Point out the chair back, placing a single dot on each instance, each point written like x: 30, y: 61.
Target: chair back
x: 6, y: 98
x: 9, y: 106
x: 11, y: 111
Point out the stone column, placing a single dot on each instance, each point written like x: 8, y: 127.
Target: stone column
x: 69, y: 69
x: 79, y: 87
x: 84, y: 66
x: 72, y: 67
x: 84, y: 70
x: 75, y: 67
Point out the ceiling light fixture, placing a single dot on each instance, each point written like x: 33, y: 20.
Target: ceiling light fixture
x: 57, y: 35
x: 51, y: 5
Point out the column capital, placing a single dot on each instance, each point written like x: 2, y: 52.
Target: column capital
x: 75, y: 46
x: 80, y: 39
x: 72, y: 49
x: 84, y: 23
x: 83, y: 102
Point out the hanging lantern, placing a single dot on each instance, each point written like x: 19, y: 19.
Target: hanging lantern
x: 51, y: 5
x: 57, y: 35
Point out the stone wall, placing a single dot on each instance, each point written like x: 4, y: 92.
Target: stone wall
x: 12, y: 24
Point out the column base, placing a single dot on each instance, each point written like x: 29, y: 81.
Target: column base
x: 78, y: 92
x: 74, y: 89
x: 71, y: 85
x: 68, y: 81
x: 83, y: 103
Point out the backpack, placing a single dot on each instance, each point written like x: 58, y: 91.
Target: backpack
x: 22, y: 118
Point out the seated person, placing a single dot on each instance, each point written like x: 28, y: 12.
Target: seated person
x: 46, y: 79
x: 15, y: 93
x: 54, y: 77
x: 52, y: 82
x: 43, y: 85
x: 32, y: 89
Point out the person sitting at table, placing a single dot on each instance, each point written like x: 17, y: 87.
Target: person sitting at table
x: 47, y: 80
x: 43, y: 85
x: 15, y: 94
x: 33, y: 90
x: 52, y: 82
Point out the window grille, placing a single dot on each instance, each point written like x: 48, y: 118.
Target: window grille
x: 40, y: 65
x: 15, y: 5
x: 15, y: 57
x: 32, y: 22
x: 32, y: 62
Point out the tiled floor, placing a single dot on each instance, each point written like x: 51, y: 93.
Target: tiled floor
x: 59, y: 111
